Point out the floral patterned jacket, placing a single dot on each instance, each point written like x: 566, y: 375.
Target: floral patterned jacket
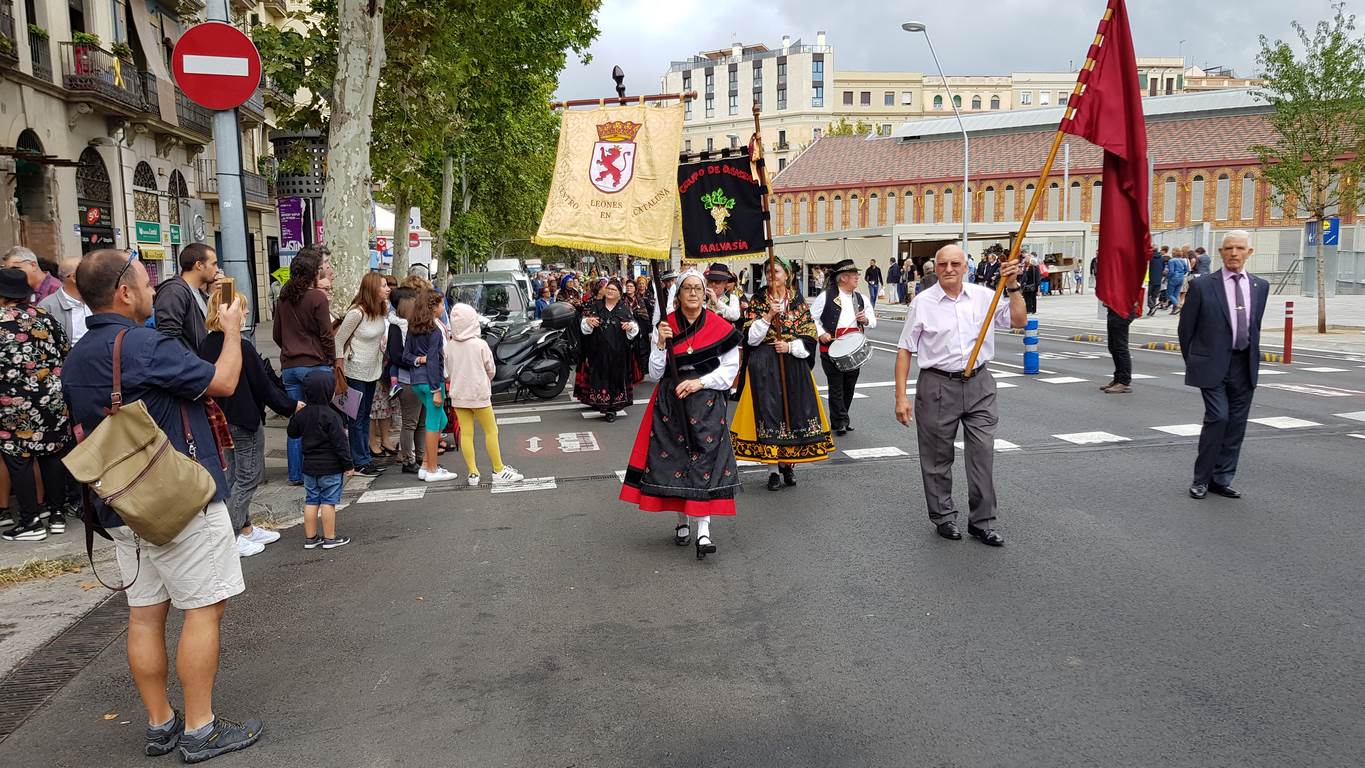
x: 33, y: 413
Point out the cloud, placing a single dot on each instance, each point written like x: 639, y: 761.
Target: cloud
x: 989, y: 38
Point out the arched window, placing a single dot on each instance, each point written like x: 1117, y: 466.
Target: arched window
x: 788, y: 225
x: 1276, y: 203
x: 938, y: 102
x: 146, y: 206
x: 32, y: 188
x: 855, y: 212
x: 1168, y: 199
x: 92, y: 179
x: 1007, y: 209
x: 988, y: 205
x: 1096, y: 192
x: 957, y: 102
x: 94, y: 200
x: 874, y: 210
x: 820, y: 209
x: 1249, y: 197
x: 1073, y: 203
x: 1197, y: 198
x: 949, y: 210
x: 1054, y: 201
x: 995, y: 102
x: 893, y: 216
x: 912, y: 214
x: 838, y: 214
x: 930, y: 214
x: 976, y: 102
x: 178, y: 190
x: 802, y: 215
x: 1223, y: 193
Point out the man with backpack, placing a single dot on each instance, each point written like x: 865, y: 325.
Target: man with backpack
x: 199, y: 569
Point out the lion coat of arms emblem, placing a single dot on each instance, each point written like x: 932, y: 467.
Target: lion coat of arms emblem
x: 613, y: 156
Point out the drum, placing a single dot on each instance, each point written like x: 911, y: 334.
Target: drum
x: 850, y: 351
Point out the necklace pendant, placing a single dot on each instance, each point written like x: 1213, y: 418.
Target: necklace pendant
x: 689, y: 349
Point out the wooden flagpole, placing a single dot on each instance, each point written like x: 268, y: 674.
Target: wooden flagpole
x: 756, y: 157
x: 1076, y: 93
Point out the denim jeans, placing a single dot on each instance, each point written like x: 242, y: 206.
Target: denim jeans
x: 293, y: 386
x: 246, y: 468
x: 360, y: 426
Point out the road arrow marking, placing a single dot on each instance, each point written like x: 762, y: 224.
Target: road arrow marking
x: 533, y: 444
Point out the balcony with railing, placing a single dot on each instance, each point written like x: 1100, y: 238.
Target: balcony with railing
x: 254, y: 108
x: 254, y: 186
x: 9, y: 44
x: 90, y: 69
x: 193, y: 117
x: 279, y: 92
x: 40, y: 54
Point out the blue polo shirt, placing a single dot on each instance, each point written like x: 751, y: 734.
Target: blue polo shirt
x: 157, y: 370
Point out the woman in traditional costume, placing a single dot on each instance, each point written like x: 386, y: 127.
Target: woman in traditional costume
x: 607, y: 375
x: 568, y: 290
x: 682, y: 460
x: 780, y: 419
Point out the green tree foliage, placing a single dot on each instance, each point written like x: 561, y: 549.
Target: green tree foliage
x: 845, y: 128
x: 1318, y: 158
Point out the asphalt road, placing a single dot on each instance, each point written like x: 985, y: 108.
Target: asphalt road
x: 1123, y: 624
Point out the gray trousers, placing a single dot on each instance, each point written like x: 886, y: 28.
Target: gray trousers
x: 246, y: 469
x: 941, y: 404
x: 411, y: 440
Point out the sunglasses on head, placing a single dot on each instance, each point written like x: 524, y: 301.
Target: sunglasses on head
x: 131, y: 256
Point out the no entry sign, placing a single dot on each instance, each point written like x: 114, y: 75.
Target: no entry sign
x: 216, y: 65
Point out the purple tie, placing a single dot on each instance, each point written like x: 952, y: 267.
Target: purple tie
x: 1239, y: 335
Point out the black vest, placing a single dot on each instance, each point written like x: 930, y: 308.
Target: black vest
x: 829, y: 316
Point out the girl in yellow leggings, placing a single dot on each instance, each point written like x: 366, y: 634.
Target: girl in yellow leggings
x: 469, y: 371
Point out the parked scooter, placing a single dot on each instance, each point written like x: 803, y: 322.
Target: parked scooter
x: 530, y: 359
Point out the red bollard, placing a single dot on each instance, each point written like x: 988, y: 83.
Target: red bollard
x: 1288, y: 332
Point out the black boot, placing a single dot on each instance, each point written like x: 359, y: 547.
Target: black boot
x: 788, y: 473
x: 774, y: 482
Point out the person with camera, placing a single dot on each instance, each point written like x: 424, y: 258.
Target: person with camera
x: 181, y: 303
x: 198, y: 569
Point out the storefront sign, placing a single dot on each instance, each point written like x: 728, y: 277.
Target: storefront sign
x: 95, y: 216
x: 175, y: 234
x: 148, y: 232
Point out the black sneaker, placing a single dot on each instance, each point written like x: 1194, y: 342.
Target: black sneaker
x: 7, y: 517
x: 369, y: 470
x: 312, y: 543
x: 410, y: 469
x: 339, y: 541
x: 56, y: 522
x: 225, y: 736
x: 161, y: 741
x: 34, y: 531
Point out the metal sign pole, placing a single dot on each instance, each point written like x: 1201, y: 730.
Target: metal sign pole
x: 232, y: 257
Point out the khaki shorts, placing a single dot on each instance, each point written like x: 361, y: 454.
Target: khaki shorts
x: 199, y: 567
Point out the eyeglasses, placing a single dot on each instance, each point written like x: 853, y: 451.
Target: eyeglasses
x: 691, y: 289
x: 131, y: 255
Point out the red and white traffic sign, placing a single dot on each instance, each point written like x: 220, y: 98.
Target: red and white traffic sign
x: 381, y: 244
x: 413, y: 240
x: 216, y: 65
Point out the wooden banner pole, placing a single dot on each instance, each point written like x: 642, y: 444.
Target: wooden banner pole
x: 756, y: 157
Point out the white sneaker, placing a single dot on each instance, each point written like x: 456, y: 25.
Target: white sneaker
x: 262, y: 536
x: 508, y: 475
x: 421, y: 473
x: 440, y: 475
x: 474, y: 480
x: 246, y: 547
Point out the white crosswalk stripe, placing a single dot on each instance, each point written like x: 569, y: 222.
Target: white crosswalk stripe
x: 1353, y: 434
x: 529, y: 484
x: 1091, y: 438
x: 1000, y: 445
x: 1183, y: 430
x: 1063, y: 380
x: 598, y: 415
x: 518, y: 420
x: 1324, y: 369
x: 874, y: 453
x: 1143, y: 376
x: 392, y: 494
x: 1353, y: 416
x: 1284, y: 422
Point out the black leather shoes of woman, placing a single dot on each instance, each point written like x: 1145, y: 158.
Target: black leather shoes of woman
x: 774, y: 482
x: 788, y: 473
x: 705, y: 547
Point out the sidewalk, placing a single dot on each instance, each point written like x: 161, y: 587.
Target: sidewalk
x: 1345, y: 315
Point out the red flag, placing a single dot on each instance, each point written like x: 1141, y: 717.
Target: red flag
x: 1108, y: 113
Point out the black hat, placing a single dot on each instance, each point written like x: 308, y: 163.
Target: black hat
x: 720, y: 273
x: 668, y: 275
x: 14, y: 284
x: 843, y: 266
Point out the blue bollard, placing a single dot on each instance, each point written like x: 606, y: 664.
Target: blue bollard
x: 1031, y: 346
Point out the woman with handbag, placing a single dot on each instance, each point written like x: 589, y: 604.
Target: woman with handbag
x: 360, y: 360
x: 244, y: 409
x: 34, y: 426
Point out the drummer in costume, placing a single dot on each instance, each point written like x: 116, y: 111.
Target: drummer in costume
x: 780, y: 419
x: 682, y: 460
x: 607, y: 374
x: 841, y: 311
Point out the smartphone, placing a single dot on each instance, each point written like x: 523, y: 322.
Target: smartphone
x: 225, y: 291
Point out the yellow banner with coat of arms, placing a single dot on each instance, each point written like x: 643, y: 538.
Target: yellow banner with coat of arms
x: 615, y: 187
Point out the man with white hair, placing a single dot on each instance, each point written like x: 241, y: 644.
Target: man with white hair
x: 42, y: 283
x: 65, y: 303
x: 1220, y: 332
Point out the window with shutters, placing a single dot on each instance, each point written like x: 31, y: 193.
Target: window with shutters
x: 1248, y: 197
x: 855, y: 212
x: 801, y: 216
x: 1007, y: 207
x: 1168, y: 199
x: 787, y: 214
x: 1054, y: 201
x: 988, y: 205
x: 892, y: 215
x: 838, y: 214
x: 1222, y: 194
x: 1096, y: 191
x: 1197, y: 198
x: 995, y: 102
x: 930, y: 215
x: 938, y: 102
x: 957, y: 102
x: 1073, y: 203
x: 874, y: 211
x: 865, y: 98
x: 1026, y: 98
x: 949, y: 212
x: 1276, y: 203
x: 848, y: 98
x: 820, y: 210
x: 976, y: 102
x: 912, y: 216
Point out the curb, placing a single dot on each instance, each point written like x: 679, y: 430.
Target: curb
x: 1167, y: 346
x: 1090, y: 337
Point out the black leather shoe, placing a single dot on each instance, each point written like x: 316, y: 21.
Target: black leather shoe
x: 849, y: 426
x: 987, y: 536
x: 1225, y: 491
x: 949, y: 530
x: 788, y: 473
x: 840, y: 432
x: 774, y: 482
x: 1198, y: 491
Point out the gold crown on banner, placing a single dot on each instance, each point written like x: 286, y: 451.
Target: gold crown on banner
x: 618, y: 130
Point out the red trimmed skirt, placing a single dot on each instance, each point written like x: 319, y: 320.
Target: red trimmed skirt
x: 682, y: 460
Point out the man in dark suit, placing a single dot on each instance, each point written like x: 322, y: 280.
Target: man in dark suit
x: 1220, y: 330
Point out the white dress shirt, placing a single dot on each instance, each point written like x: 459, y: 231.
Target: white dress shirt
x: 942, y: 330
x: 848, y: 310
x: 720, y: 379
x: 727, y: 306
x: 759, y: 328
x: 588, y: 329
x: 79, y: 313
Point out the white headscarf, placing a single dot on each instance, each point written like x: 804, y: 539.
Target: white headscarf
x: 673, y: 290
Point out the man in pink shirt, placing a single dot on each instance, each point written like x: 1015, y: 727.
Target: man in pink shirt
x: 941, y: 327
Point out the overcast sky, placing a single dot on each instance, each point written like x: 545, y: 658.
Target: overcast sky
x: 986, y: 37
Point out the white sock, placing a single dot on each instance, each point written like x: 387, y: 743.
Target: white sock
x: 683, y: 520
x: 704, y: 527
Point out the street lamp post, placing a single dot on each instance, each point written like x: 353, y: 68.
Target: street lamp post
x: 916, y: 26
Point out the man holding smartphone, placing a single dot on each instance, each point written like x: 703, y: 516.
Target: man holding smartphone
x: 182, y: 302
